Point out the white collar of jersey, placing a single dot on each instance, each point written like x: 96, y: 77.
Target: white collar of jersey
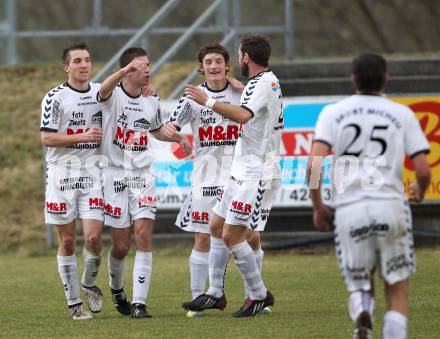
x: 77, y: 90
x: 215, y: 90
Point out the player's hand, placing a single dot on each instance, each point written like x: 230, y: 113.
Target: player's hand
x: 414, y: 192
x: 169, y: 131
x: 93, y: 135
x: 323, y: 218
x: 135, y: 65
x: 236, y: 84
x: 196, y: 94
x: 147, y: 91
x: 186, y: 146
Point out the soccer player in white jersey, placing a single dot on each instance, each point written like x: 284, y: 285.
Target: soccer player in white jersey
x: 71, y: 130
x: 214, y: 139
x: 254, y: 178
x: 129, y: 121
x: 371, y: 135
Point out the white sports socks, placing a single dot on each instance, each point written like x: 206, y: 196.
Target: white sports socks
x: 68, y: 270
x: 143, y: 262
x: 91, y: 268
x: 259, y: 255
x: 247, y: 265
x: 395, y: 325
x: 218, y: 260
x: 199, y: 270
x: 116, y: 269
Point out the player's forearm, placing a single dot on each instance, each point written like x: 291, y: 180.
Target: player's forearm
x: 110, y: 83
x: 232, y: 112
x: 51, y: 139
x: 159, y: 135
x: 315, y: 196
x: 423, y: 181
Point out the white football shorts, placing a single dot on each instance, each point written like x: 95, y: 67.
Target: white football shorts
x: 374, y: 234
x: 73, y: 193
x: 128, y: 195
x: 247, y: 202
x: 196, y: 211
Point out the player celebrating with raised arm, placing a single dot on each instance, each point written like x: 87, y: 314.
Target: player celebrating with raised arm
x: 129, y: 120
x: 372, y: 218
x: 214, y: 138
x: 71, y: 130
x: 254, y: 178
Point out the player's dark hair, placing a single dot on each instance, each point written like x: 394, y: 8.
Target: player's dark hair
x: 213, y: 48
x: 129, y: 54
x: 369, y: 71
x: 257, y: 47
x: 65, y: 57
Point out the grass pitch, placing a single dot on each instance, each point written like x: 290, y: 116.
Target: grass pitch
x: 310, y: 300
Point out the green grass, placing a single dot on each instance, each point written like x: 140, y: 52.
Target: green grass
x: 310, y: 301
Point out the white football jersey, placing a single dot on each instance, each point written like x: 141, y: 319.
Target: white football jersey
x: 368, y: 127
x: 257, y: 150
x: 127, y: 123
x: 66, y: 110
x: 214, y: 136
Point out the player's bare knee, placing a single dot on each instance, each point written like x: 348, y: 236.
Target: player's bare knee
x: 93, y: 243
x: 229, y: 239
x: 120, y: 250
x: 67, y: 245
x: 202, y: 242
x: 253, y: 238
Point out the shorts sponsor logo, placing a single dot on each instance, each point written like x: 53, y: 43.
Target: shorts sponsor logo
x: 396, y: 263
x: 218, y: 135
x: 147, y: 201
x: 56, y: 207
x: 364, y: 232
x: 129, y: 182
x: 357, y: 273
x: 114, y: 212
x: 96, y: 203
x: 265, y: 214
x: 240, y: 207
x: 212, y: 191
x: 200, y: 217
x: 77, y: 183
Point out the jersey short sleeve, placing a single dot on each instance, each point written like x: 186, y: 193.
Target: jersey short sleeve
x: 255, y: 95
x: 51, y: 112
x: 415, y: 139
x: 182, y: 113
x: 324, y: 128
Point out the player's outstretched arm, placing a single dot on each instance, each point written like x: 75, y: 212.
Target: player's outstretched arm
x: 54, y: 139
x: 231, y: 112
x: 322, y: 214
x: 168, y: 132
x: 418, y: 189
x: 112, y: 81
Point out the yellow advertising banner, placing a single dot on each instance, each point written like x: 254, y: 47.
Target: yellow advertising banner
x: 427, y: 110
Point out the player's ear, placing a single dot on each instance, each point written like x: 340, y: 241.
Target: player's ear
x: 65, y: 68
x: 200, y: 69
x: 246, y: 57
